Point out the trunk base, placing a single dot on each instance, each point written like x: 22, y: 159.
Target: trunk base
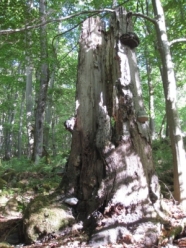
x: 137, y: 226
x: 142, y: 235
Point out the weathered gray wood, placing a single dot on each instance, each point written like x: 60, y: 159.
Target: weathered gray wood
x: 110, y: 167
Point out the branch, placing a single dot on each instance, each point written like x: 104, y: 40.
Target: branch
x: 145, y: 17
x: 10, y: 31
x: 177, y: 41
x: 155, y: 23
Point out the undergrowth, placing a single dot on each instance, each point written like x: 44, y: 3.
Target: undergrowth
x: 22, y: 175
x: 43, y: 177
x: 162, y: 157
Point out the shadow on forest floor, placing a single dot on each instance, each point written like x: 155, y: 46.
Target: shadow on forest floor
x: 19, y: 187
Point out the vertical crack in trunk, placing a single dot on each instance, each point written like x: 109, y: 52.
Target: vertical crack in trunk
x: 110, y: 168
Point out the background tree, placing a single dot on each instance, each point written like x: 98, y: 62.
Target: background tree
x: 169, y: 83
x: 29, y: 82
x: 44, y: 80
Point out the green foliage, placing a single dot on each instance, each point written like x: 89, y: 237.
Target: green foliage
x: 3, y: 183
x: 21, y: 175
x: 63, y: 56
x: 162, y: 155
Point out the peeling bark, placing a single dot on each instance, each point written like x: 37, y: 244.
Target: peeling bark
x: 110, y: 168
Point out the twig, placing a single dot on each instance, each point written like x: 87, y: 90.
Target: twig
x: 177, y: 41
x: 145, y: 17
x: 168, y: 191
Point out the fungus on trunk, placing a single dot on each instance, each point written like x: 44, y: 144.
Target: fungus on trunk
x: 110, y: 169
x: 130, y: 39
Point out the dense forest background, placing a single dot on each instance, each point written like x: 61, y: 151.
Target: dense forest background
x: 21, y: 62
x: 39, y: 44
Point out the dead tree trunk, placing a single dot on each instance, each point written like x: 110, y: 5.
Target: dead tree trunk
x: 110, y: 168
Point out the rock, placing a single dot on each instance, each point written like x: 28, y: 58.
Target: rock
x: 71, y: 201
x: 3, y: 200
x: 4, y: 245
x: 12, y: 208
x: 42, y: 218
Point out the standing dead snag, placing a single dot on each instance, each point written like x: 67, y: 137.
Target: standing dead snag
x: 110, y: 168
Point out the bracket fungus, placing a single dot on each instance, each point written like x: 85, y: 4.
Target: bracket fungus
x: 142, y: 116
x: 130, y: 39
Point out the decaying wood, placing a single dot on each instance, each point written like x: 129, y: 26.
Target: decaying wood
x: 110, y: 168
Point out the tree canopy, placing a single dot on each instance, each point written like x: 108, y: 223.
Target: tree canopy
x: 19, y: 18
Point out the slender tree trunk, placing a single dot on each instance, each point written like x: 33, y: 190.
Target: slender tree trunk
x: 47, y: 126
x: 54, y: 152
x: 1, y: 134
x: 147, y: 30
x: 151, y: 100
x: 29, y: 107
x: 48, y: 113
x: 161, y: 133
x: 44, y: 78
x: 8, y: 136
x: 169, y: 84
x: 29, y: 87
x: 21, y: 125
x: 8, y: 130
x: 110, y: 168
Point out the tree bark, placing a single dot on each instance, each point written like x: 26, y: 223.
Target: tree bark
x: 29, y: 102
x: 151, y: 98
x: 48, y: 113
x: 110, y: 168
x: 169, y: 83
x: 29, y: 84
x: 44, y: 78
x: 20, y: 133
x: 8, y: 129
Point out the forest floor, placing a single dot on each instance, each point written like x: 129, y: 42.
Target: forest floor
x: 11, y: 235
x: 18, y: 188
